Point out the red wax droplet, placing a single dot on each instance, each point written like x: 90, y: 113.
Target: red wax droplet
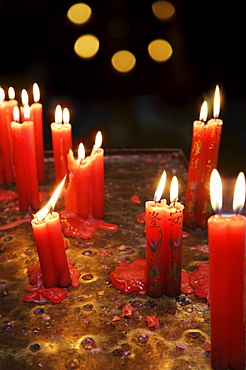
x: 153, y: 321
x: 185, y: 282
x: 141, y: 218
x: 78, y: 227
x: 127, y: 311
x: 135, y: 199
x: 130, y: 276
x: 7, y: 194
x: 102, y: 225
x: 185, y: 234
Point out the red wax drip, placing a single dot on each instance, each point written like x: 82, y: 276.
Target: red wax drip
x: 16, y: 223
x: 54, y: 294
x: 78, y: 227
x: 6, y: 195
x: 141, y: 218
x: 132, y: 277
x: 135, y: 199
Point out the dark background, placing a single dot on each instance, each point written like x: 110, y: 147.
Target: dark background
x: 154, y: 105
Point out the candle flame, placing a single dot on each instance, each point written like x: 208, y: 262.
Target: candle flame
x: 36, y: 93
x: 216, y: 110
x: 81, y: 152
x: 216, y: 191
x: 160, y: 188
x: 11, y: 93
x: 26, y: 112
x: 2, y: 94
x: 98, y: 140
x: 66, y: 115
x: 58, y: 114
x: 174, y: 190
x: 239, y: 193
x: 43, y: 212
x: 24, y: 97
x: 204, y: 112
x: 16, y: 114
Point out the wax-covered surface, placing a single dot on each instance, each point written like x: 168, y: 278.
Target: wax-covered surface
x: 88, y: 329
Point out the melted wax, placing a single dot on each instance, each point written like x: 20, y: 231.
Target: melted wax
x: 132, y: 277
x: 41, y: 294
x: 78, y: 227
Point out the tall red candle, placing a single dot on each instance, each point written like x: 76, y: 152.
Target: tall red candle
x: 25, y: 163
x: 227, y: 283
x: 61, y: 143
x: 97, y: 178
x: 154, y: 241
x: 50, y: 245
x: 195, y: 169
x: 200, y: 168
x: 172, y: 243
x: 6, y: 159
x: 37, y: 117
x: 78, y: 193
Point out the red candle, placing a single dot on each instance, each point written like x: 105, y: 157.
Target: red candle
x: 172, y: 243
x: 227, y: 280
x: 25, y: 163
x: 97, y: 178
x: 6, y: 159
x: 195, y: 168
x: 203, y: 159
x: 78, y: 193
x: 50, y: 244
x: 61, y: 142
x: 11, y: 103
x: 155, y: 211
x: 37, y: 118
x: 24, y: 100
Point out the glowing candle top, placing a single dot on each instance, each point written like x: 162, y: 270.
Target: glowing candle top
x: 239, y: 194
x: 160, y: 188
x: 216, y: 191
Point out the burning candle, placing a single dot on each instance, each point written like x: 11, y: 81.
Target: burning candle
x: 6, y: 160
x: 11, y: 103
x: 97, y: 178
x: 172, y: 243
x: 203, y: 159
x: 227, y: 278
x: 25, y: 161
x: 37, y: 117
x: 24, y: 100
x: 61, y: 142
x: 155, y: 211
x: 50, y: 244
x: 78, y: 194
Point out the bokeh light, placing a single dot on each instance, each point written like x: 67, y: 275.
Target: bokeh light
x: 86, y: 46
x: 163, y: 10
x: 160, y: 50
x: 79, y: 13
x: 123, y: 61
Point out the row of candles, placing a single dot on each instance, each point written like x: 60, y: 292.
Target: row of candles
x: 22, y: 156
x: 85, y: 197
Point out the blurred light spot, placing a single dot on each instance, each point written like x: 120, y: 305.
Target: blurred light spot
x: 86, y: 46
x: 163, y: 10
x: 160, y: 50
x: 79, y: 13
x: 123, y: 61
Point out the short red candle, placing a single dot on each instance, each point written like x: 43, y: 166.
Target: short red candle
x: 97, y: 178
x: 37, y: 117
x: 155, y: 229
x: 6, y: 159
x: 227, y: 289
x: 61, y: 143
x: 78, y: 193
x: 25, y: 165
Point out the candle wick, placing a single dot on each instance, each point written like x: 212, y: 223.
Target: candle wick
x: 174, y: 202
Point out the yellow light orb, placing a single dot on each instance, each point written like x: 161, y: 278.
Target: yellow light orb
x: 79, y: 13
x: 163, y: 10
x: 86, y: 46
x: 123, y: 61
x: 160, y: 50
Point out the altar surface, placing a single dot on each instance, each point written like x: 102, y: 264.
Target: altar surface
x: 87, y: 330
